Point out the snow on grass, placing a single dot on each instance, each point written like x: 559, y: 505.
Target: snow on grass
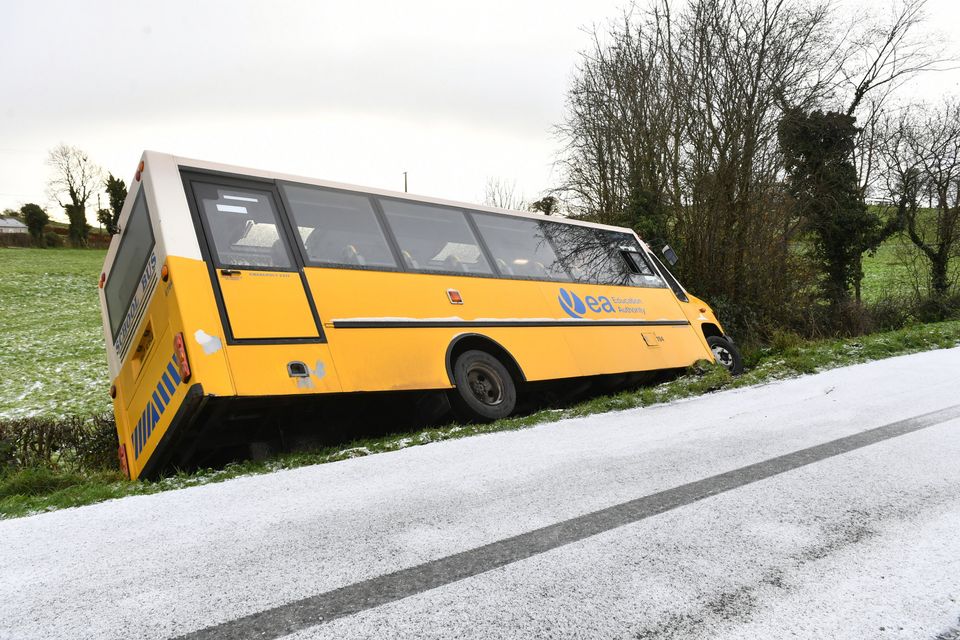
x: 51, y: 342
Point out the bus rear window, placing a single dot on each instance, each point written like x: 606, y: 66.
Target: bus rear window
x: 136, y: 244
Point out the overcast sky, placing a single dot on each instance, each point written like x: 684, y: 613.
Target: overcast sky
x: 359, y: 92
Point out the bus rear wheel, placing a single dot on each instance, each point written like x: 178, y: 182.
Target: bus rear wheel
x: 726, y: 354
x: 484, y: 390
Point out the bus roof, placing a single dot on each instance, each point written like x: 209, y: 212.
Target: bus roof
x: 203, y: 165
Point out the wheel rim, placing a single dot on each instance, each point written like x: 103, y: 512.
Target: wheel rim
x: 485, y: 385
x: 723, y: 356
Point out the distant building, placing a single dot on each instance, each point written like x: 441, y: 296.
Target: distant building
x: 12, y: 225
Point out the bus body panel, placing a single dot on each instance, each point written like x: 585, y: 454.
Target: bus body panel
x: 606, y: 350
x: 149, y: 385
x: 262, y: 369
x: 162, y: 173
x: 153, y: 404
x: 194, y: 311
x: 359, y: 308
x: 266, y: 304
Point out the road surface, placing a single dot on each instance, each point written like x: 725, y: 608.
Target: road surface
x: 825, y: 506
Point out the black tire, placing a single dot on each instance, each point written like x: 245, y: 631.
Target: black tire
x: 726, y: 353
x: 485, y: 390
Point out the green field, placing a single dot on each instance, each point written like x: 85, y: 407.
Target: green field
x: 51, y: 341
x: 885, y: 273
x: 898, y: 268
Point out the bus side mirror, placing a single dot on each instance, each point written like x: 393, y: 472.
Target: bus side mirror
x: 669, y: 254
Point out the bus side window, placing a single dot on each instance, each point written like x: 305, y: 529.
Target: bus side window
x: 243, y: 227
x: 602, y: 256
x: 338, y: 228
x: 434, y: 238
x: 671, y: 280
x: 520, y: 247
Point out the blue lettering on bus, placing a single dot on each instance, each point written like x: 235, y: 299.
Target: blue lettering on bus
x: 158, y: 402
x: 576, y: 307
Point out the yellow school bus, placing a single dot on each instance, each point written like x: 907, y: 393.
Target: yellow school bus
x: 233, y: 294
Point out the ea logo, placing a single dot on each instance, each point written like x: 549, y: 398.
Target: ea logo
x: 572, y: 304
x: 575, y: 307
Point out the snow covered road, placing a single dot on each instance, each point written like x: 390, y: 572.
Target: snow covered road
x: 725, y: 516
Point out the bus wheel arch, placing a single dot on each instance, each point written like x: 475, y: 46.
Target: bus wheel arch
x: 725, y: 351
x: 476, y: 341
x: 709, y: 329
x: 485, y: 378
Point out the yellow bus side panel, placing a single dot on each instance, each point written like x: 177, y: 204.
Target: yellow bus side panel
x: 390, y: 359
x: 415, y: 358
x: 601, y: 350
x: 267, y: 304
x: 355, y: 293
x: 371, y: 359
x: 615, y: 349
x: 261, y: 369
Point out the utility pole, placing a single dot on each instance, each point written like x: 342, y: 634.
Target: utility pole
x: 404, y: 181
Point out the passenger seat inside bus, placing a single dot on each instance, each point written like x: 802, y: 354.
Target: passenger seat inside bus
x: 413, y: 264
x: 352, y: 256
x: 453, y: 263
x: 278, y: 255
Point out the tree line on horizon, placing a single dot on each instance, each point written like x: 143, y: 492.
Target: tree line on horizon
x: 74, y: 181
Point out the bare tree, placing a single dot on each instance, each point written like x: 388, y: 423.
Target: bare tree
x: 875, y: 58
x: 923, y: 157
x: 882, y: 55
x: 671, y: 129
x: 503, y: 194
x: 73, y: 181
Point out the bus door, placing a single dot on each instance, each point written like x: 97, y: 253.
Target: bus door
x: 257, y: 275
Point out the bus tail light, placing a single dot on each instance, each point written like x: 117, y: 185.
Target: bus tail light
x: 122, y: 454
x: 113, y: 391
x: 164, y: 273
x: 103, y: 279
x: 139, y: 171
x: 180, y: 351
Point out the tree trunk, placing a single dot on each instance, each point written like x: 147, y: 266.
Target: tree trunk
x: 939, y: 283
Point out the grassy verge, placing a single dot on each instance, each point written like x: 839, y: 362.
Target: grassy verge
x: 51, y: 342
x: 35, y: 490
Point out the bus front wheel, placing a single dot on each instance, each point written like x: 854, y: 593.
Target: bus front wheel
x: 726, y: 354
x: 484, y: 390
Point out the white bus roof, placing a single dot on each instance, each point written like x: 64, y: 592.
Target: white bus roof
x: 272, y: 175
